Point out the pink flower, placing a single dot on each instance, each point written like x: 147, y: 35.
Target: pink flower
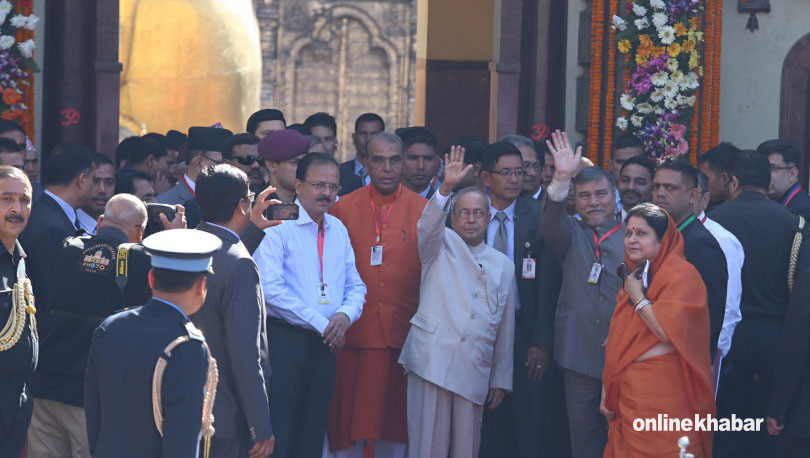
x: 670, y: 151
x: 683, y: 146
x: 677, y: 130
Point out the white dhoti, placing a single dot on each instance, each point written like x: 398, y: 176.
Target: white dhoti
x: 441, y: 422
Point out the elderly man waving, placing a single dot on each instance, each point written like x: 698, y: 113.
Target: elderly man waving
x: 458, y: 353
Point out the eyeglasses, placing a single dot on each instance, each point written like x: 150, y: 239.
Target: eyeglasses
x: 321, y: 186
x: 216, y: 162
x: 478, y: 214
x: 509, y: 173
x: 250, y: 159
x: 250, y: 197
x: 775, y: 167
x: 531, y: 166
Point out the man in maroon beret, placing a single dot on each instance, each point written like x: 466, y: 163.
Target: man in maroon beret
x: 281, y: 151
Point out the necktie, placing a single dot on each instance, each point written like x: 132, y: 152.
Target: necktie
x: 500, y: 242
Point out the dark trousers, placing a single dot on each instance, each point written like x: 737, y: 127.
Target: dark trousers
x: 587, y: 425
x: 16, y: 407
x: 745, y: 386
x: 795, y: 447
x: 531, y: 422
x: 301, y: 387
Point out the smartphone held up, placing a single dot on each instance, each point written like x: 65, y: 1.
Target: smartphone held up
x: 281, y: 212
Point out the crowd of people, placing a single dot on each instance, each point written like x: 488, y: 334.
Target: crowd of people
x: 495, y: 300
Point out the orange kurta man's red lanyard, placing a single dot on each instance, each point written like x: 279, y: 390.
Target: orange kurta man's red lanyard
x: 378, y: 224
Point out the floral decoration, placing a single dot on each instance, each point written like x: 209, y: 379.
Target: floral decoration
x: 17, y: 64
x: 660, y: 40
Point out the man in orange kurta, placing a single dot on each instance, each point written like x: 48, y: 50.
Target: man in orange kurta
x: 367, y: 416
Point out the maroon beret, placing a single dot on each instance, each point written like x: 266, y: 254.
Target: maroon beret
x: 283, y: 145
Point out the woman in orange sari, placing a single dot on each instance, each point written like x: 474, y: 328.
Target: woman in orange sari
x: 656, y: 356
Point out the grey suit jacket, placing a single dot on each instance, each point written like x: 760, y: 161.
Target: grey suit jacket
x: 583, y: 312
x: 232, y: 320
x: 179, y: 194
x: 463, y: 331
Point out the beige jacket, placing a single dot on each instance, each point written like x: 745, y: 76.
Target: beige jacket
x: 463, y: 332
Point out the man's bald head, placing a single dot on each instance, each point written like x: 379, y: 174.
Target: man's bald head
x: 126, y: 213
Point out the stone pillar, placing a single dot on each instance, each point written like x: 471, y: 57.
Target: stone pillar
x: 81, y: 75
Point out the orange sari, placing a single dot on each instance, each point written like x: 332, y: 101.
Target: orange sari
x: 677, y: 384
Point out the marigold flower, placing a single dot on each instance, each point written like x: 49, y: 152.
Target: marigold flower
x: 11, y: 97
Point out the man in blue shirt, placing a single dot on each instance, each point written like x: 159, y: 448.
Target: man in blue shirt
x: 313, y: 293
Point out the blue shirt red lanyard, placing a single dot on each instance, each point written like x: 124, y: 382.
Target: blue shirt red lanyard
x: 321, y: 236
x: 796, y: 188
x: 598, y: 240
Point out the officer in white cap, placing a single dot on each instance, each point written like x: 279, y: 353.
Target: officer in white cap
x: 150, y: 381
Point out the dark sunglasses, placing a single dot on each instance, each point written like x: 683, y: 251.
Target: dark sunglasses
x: 249, y: 160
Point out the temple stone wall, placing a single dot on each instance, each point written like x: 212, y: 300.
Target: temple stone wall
x: 342, y: 57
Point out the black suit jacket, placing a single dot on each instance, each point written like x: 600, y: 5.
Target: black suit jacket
x: 702, y: 250
x: 42, y: 238
x: 790, y: 395
x: 349, y: 181
x: 529, y: 243
x: 765, y: 230
x: 82, y: 293
x: 233, y: 322
x: 800, y: 203
x: 38, y: 190
x: 118, y: 385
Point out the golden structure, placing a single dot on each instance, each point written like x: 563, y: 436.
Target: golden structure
x: 188, y: 63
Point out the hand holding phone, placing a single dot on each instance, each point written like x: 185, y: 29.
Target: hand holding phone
x: 153, y: 222
x: 259, y: 207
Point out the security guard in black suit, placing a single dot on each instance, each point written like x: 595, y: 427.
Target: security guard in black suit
x: 18, y: 331
x: 768, y: 234
x: 54, y: 217
x: 789, y: 404
x: 93, y: 277
x: 150, y: 378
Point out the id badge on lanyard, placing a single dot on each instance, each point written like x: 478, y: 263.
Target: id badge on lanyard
x: 377, y: 249
x: 596, y: 268
x: 323, y: 291
x: 529, y: 266
x: 376, y: 255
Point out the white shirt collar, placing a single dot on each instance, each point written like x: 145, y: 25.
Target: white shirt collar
x: 70, y: 212
x: 537, y: 194
x: 424, y: 192
x: 510, y: 211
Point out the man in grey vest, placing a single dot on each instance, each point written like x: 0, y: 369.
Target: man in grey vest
x: 589, y: 251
